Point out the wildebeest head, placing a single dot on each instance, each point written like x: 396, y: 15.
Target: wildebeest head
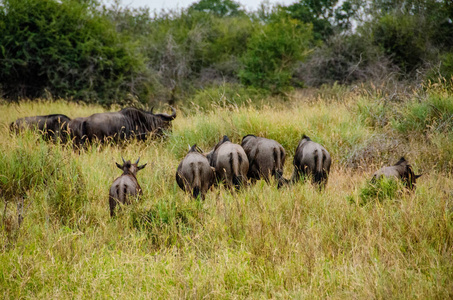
x: 401, y: 170
x: 130, y: 168
x: 142, y: 122
x: 125, y: 186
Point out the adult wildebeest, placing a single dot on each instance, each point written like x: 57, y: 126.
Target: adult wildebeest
x: 401, y: 170
x: 51, y: 126
x: 194, y: 173
x: 125, y: 186
x: 311, y: 159
x: 230, y: 163
x: 127, y: 123
x: 266, y: 158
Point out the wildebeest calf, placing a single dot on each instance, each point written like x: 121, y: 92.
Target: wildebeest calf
x: 194, y: 173
x: 401, y: 170
x: 51, y: 126
x: 125, y: 186
x: 230, y: 163
x: 266, y: 158
x: 311, y: 159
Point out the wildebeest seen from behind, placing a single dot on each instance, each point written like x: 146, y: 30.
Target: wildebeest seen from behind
x: 401, y: 170
x: 194, y: 174
x: 128, y: 123
x: 230, y: 163
x: 51, y: 126
x: 126, y: 186
x: 266, y: 158
x: 312, y: 160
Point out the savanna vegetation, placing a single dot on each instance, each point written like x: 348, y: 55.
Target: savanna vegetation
x: 369, y: 80
x: 86, y: 51
x: 352, y: 239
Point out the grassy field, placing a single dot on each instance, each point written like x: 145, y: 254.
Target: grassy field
x: 296, y: 242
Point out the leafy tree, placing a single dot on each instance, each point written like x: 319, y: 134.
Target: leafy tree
x: 325, y: 15
x: 272, y: 52
x: 66, y: 48
x: 219, y: 8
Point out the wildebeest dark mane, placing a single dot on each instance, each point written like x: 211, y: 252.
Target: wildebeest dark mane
x: 141, y: 121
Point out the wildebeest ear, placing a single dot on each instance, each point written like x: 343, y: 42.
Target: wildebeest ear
x: 402, y: 160
x: 193, y: 148
x: 119, y: 166
x: 141, y: 167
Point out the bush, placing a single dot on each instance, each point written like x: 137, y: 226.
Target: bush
x: 65, y: 48
x: 272, y: 52
x: 380, y: 190
x: 433, y: 114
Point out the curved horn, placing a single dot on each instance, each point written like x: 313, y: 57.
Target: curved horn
x: 152, y: 108
x: 123, y: 159
x: 173, y: 114
x: 137, y: 160
x: 168, y: 117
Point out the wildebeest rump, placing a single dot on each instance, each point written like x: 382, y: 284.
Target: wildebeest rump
x: 311, y: 159
x: 51, y: 126
x: 401, y: 170
x: 126, y: 186
x: 230, y: 163
x: 194, y: 173
x: 266, y: 158
x: 128, y: 123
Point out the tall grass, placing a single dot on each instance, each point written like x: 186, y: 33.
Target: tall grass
x: 260, y: 242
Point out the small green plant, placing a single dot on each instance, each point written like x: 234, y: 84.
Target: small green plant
x: 380, y: 190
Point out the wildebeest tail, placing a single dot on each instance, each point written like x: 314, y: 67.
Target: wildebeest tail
x: 196, y: 191
x: 318, y: 173
x: 196, y: 183
x: 235, y: 169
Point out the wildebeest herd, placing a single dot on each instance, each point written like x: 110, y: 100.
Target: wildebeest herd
x: 127, y: 123
x: 232, y: 164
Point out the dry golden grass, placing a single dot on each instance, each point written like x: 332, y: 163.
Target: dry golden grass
x: 261, y: 242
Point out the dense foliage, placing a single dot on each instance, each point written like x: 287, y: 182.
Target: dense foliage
x: 85, y: 51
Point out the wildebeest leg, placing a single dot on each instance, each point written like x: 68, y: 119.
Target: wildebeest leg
x: 112, y: 204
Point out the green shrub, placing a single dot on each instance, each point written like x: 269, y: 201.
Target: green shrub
x: 272, y: 53
x: 433, y: 114
x: 65, y: 48
x: 380, y: 190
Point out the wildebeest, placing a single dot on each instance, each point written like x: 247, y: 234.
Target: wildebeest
x: 51, y: 126
x: 230, y: 163
x: 401, y: 170
x: 127, y: 123
x: 266, y: 158
x: 126, y: 186
x: 311, y: 159
x: 194, y: 173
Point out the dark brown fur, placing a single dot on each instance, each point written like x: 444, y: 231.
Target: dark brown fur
x: 127, y: 123
x: 125, y: 186
x: 401, y: 170
x: 50, y: 126
x: 230, y: 163
x: 311, y: 159
x: 194, y: 173
x: 266, y: 158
